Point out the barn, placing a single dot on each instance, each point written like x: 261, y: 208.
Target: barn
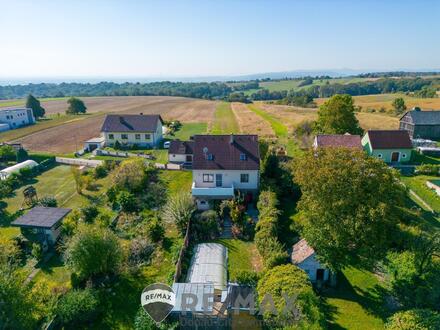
x: 421, y: 124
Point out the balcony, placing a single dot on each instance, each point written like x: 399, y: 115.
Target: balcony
x: 213, y: 192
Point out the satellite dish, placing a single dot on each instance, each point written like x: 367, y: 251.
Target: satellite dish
x: 205, y: 150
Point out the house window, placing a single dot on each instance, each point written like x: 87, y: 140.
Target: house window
x: 379, y: 155
x: 111, y: 136
x: 137, y: 136
x: 147, y: 136
x: 209, y: 157
x: 208, y: 177
x: 124, y: 136
x: 403, y: 155
x: 244, y: 178
x: 243, y: 157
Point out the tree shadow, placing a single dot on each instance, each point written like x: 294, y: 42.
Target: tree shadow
x: 6, y: 217
x: 330, y: 313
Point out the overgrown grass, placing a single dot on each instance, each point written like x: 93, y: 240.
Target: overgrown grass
x: 357, y: 302
x: 418, y: 185
x: 54, y: 272
x: 224, y: 120
x: 278, y: 127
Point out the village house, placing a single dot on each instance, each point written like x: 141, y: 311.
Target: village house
x: 304, y: 256
x: 15, y: 118
x: 421, y: 124
x: 337, y: 140
x: 181, y: 152
x: 222, y: 165
x: 42, y: 224
x: 393, y: 146
x: 131, y: 130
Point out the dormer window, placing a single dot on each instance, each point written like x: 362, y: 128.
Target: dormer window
x: 209, y: 157
x: 243, y: 157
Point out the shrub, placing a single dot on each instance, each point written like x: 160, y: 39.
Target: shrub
x: 414, y: 319
x: 37, y: 251
x: 140, y: 251
x: 205, y: 226
x: 100, y: 172
x: 127, y: 201
x: 48, y: 201
x: 89, y: 213
x: 77, y: 307
x: 247, y: 277
x: 155, y: 230
x: 428, y: 169
x: 179, y: 209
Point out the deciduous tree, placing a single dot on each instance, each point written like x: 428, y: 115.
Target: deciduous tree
x: 399, y: 105
x: 34, y: 104
x: 76, y: 106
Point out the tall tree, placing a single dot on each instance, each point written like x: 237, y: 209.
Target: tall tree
x: 399, y: 105
x: 336, y: 116
x: 349, y: 207
x: 34, y: 104
x: 76, y: 106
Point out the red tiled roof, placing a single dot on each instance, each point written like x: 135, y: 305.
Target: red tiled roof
x: 181, y: 147
x: 338, y: 140
x: 389, y: 139
x: 301, y: 251
x: 224, y: 152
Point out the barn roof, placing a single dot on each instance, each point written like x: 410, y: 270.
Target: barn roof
x: 424, y: 117
x: 382, y: 139
x: 226, y: 152
x: 339, y: 140
x: 130, y: 123
x: 301, y: 251
x: 41, y: 217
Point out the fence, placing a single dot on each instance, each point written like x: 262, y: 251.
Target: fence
x: 124, y: 154
x: 79, y: 161
x: 182, y: 252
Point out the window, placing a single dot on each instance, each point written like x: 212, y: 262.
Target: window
x: 111, y: 136
x: 124, y: 136
x: 208, y: 177
x: 147, y: 136
x: 209, y: 157
x: 379, y: 155
x: 244, y: 178
x: 243, y: 157
x: 403, y: 155
x: 137, y: 136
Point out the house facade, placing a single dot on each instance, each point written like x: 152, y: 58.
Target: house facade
x: 304, y: 256
x: 223, y: 165
x: 132, y: 130
x: 388, y: 145
x: 421, y: 124
x: 337, y: 140
x: 15, y: 118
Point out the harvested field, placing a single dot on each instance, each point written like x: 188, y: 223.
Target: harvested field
x: 225, y: 121
x: 377, y: 121
x: 69, y: 137
x: 251, y: 123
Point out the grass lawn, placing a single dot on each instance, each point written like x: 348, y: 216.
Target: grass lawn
x: 189, y: 129
x: 50, y: 121
x: 417, y: 183
x: 357, y: 302
x: 55, y: 272
x: 241, y: 256
x: 177, y: 180
x: 224, y: 120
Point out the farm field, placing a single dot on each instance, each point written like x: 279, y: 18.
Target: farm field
x: 68, y: 136
x: 378, y: 101
x: 224, y: 120
x: 250, y: 122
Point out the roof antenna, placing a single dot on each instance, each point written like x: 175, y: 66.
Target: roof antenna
x: 231, y: 141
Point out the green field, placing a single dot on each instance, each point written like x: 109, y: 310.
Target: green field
x: 189, y: 129
x: 279, y: 128
x: 224, y: 120
x: 21, y: 102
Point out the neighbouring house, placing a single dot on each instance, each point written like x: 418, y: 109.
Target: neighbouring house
x: 132, y: 130
x: 6, y: 172
x: 392, y: 146
x: 181, y: 152
x: 94, y: 143
x: 11, y: 118
x: 304, y: 256
x: 337, y: 140
x: 222, y: 165
x: 42, y: 224
x: 421, y: 124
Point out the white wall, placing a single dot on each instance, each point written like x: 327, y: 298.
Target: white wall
x: 154, y: 139
x: 229, y: 177
x: 311, y: 265
x: 17, y: 117
x: 176, y: 158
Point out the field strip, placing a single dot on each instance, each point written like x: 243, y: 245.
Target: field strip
x: 224, y: 120
x: 279, y: 128
x: 250, y: 122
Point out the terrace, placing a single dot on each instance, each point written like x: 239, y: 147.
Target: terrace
x: 217, y: 192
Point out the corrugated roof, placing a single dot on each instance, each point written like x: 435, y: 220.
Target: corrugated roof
x: 181, y: 147
x: 41, y: 217
x: 130, y: 123
x: 209, y: 265
x: 224, y: 152
x: 301, y: 251
x: 339, y: 140
x: 425, y: 117
x: 392, y: 139
x: 200, y: 290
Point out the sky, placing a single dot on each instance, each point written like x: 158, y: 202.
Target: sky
x: 163, y: 38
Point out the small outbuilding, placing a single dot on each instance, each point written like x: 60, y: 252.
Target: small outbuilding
x: 6, y: 172
x: 392, y: 146
x: 94, y: 143
x: 304, y: 256
x: 181, y: 152
x: 42, y: 224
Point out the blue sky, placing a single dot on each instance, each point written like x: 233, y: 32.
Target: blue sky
x: 112, y: 38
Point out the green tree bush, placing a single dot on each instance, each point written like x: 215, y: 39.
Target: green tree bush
x: 399, y: 105
x: 77, y: 307
x: 414, y: 319
x: 76, y: 106
x: 34, y: 104
x: 179, y: 210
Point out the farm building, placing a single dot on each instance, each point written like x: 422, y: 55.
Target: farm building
x: 390, y: 146
x: 421, y: 124
x: 15, y: 118
x: 42, y: 224
x: 181, y: 152
x: 337, y: 140
x: 132, y: 130
x: 304, y: 256
x: 6, y: 172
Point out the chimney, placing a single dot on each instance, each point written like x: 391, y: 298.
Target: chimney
x: 417, y: 109
x: 231, y: 140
